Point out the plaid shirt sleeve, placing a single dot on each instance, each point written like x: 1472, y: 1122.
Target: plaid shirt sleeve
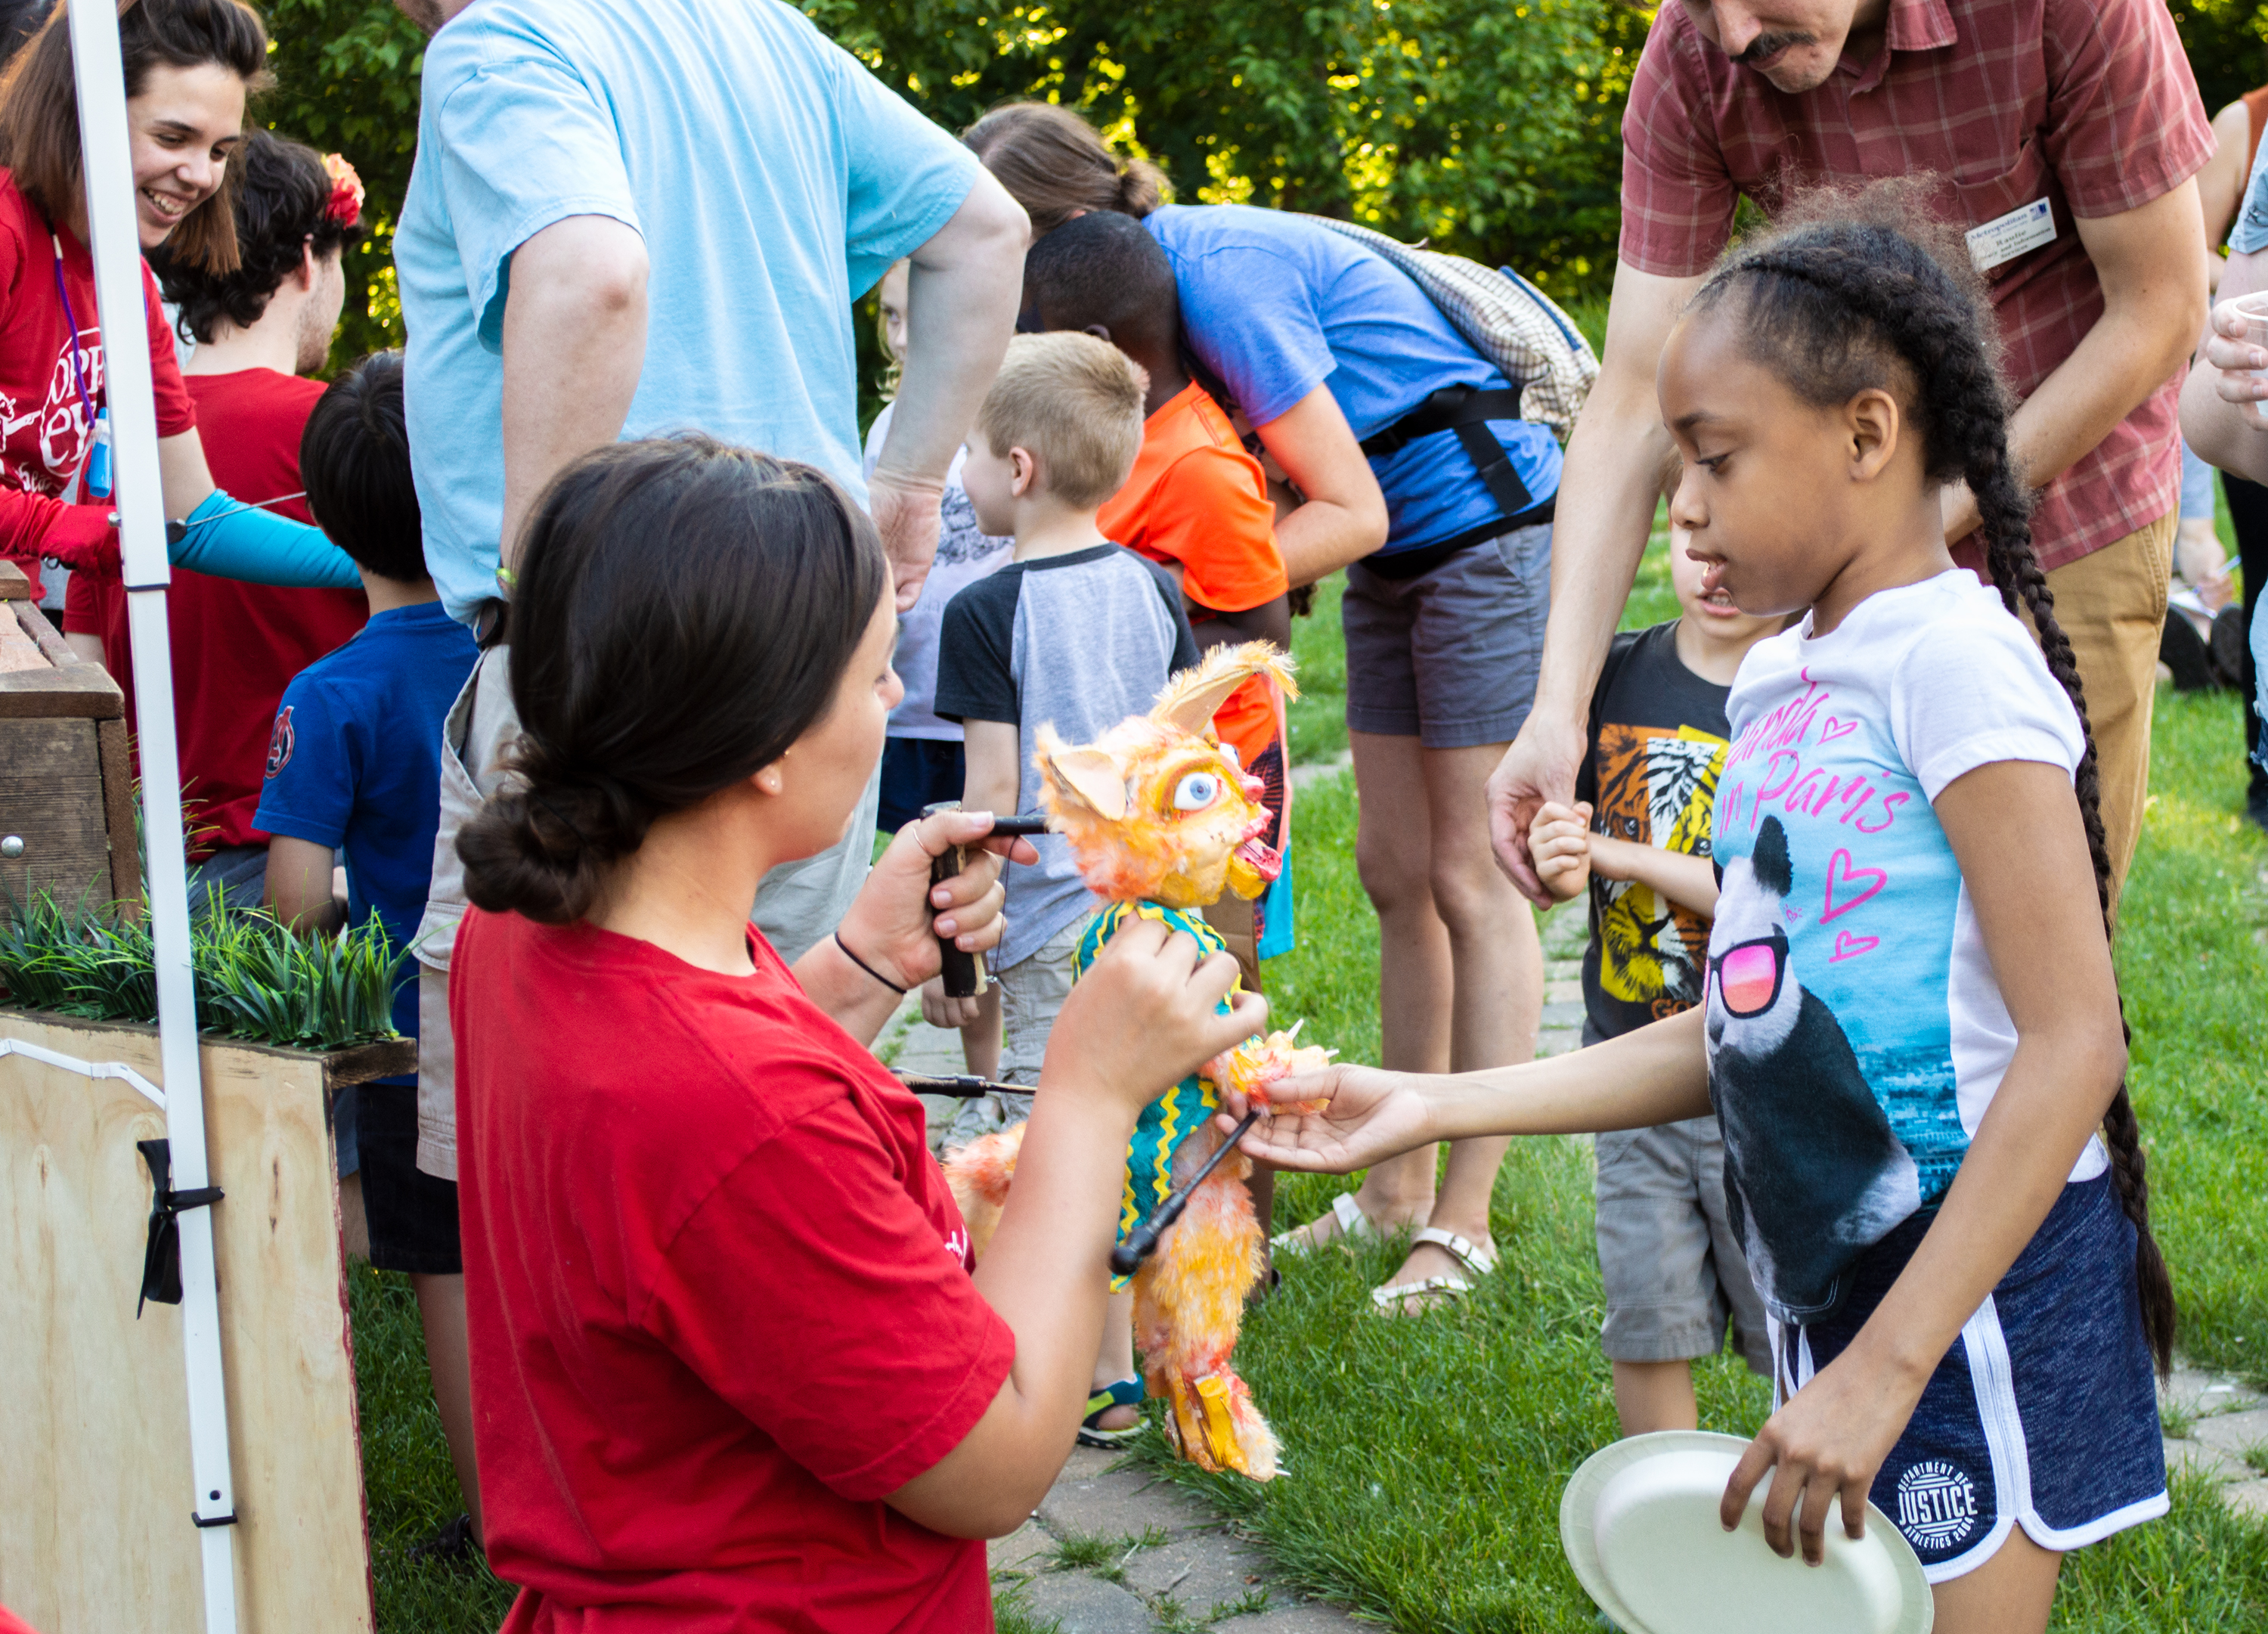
x: 2126, y: 124
x: 1678, y: 197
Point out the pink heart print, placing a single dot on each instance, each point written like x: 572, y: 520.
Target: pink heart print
x: 1840, y: 868
x: 1831, y: 728
x: 1850, y: 946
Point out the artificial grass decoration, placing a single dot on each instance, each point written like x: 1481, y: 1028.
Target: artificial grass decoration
x: 255, y: 979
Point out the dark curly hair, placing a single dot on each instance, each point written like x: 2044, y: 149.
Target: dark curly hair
x: 1836, y: 307
x: 283, y: 205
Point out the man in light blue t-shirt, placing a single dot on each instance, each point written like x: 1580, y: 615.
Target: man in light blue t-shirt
x: 629, y: 217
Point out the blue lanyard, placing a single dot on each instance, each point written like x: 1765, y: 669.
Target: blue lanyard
x: 78, y: 375
x: 95, y: 475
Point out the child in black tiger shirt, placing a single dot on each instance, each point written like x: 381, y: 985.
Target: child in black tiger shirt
x: 1638, y: 837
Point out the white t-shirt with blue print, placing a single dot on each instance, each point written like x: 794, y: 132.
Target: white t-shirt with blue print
x: 1856, y: 1033
x: 773, y: 178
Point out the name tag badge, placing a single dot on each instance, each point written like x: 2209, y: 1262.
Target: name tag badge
x: 2004, y: 237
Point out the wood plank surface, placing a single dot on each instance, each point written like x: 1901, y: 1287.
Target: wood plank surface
x: 95, y: 1517
x: 84, y: 691
x: 17, y: 650
x: 115, y: 758
x: 51, y: 797
x: 34, y: 623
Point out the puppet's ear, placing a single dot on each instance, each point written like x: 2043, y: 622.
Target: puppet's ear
x: 1192, y: 710
x: 1192, y: 697
x: 1094, y: 777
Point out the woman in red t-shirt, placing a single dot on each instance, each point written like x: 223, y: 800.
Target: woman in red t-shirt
x: 189, y: 64
x: 731, y: 1367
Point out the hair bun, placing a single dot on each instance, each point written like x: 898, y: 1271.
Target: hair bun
x: 1141, y: 188
x: 540, y: 848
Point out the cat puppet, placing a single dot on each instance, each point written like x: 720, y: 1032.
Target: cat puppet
x: 1162, y: 820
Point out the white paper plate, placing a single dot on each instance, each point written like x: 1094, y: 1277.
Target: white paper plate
x: 1639, y: 1522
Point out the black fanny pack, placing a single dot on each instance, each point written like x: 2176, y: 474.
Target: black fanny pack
x: 1465, y: 410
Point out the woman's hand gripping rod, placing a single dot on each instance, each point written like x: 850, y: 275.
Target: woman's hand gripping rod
x: 964, y: 975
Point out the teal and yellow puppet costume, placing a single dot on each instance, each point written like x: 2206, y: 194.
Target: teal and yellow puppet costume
x: 1163, y: 820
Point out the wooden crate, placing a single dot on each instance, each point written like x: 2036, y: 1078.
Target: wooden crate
x: 66, y: 782
x: 95, y: 1534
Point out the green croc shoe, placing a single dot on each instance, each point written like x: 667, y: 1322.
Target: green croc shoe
x: 1125, y: 1392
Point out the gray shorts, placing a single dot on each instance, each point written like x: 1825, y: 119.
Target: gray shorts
x: 1449, y: 658
x: 1032, y: 992
x: 1674, y: 1272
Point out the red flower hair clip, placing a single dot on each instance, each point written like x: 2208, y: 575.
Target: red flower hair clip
x: 345, y: 207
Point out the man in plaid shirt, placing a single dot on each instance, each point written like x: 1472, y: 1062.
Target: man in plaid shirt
x: 2064, y: 136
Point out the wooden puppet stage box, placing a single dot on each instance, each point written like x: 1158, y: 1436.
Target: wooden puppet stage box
x: 95, y: 1532
x: 66, y: 791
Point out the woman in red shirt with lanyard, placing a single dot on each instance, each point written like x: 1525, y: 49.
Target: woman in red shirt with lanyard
x: 731, y: 1367
x: 189, y: 66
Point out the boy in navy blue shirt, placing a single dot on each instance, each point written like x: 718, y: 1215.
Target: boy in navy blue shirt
x: 355, y: 765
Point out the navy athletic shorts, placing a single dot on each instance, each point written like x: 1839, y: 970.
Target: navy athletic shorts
x: 2044, y: 1414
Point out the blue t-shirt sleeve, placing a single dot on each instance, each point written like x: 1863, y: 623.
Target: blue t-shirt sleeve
x: 501, y: 188
x: 1253, y: 320
x: 2250, y: 232
x: 907, y: 175
x: 310, y: 788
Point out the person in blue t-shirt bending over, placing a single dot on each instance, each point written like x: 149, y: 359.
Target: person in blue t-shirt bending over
x: 355, y: 765
x: 1357, y: 388
x: 632, y: 218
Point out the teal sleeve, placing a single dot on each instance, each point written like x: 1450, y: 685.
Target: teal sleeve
x: 233, y: 541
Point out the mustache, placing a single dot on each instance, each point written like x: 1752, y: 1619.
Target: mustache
x: 1765, y: 46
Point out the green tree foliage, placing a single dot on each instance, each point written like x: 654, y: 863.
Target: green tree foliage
x: 2227, y: 45
x: 1490, y: 128
x: 346, y: 82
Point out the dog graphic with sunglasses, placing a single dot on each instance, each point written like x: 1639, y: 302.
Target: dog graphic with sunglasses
x: 1814, y: 1173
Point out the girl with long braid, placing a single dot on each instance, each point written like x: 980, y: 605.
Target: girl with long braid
x: 1911, y: 1033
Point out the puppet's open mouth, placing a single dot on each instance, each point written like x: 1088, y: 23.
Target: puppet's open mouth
x: 1256, y: 854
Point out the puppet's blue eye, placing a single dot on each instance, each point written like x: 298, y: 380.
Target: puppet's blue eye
x: 1196, y: 791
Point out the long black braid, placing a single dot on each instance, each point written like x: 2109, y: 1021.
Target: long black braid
x: 1836, y: 307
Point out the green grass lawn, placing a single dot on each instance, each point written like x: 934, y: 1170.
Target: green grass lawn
x: 1427, y: 1457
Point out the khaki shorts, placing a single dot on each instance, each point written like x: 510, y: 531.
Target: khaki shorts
x: 2112, y: 605
x: 1675, y: 1276
x: 1032, y: 994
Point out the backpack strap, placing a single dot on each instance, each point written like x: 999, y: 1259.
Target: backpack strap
x: 1466, y: 411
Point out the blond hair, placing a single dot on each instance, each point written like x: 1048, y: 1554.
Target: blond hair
x: 1074, y: 403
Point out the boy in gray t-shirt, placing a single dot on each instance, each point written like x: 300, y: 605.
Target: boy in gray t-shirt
x: 1075, y: 632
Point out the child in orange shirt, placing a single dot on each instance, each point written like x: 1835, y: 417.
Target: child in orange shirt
x: 1197, y: 504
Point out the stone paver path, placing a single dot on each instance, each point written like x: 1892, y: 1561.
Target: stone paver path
x: 2219, y: 1426
x: 1116, y: 1550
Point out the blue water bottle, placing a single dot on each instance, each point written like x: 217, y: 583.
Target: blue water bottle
x: 97, y: 462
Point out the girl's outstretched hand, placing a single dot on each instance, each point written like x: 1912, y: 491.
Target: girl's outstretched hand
x: 1826, y: 1444
x: 1361, y: 1115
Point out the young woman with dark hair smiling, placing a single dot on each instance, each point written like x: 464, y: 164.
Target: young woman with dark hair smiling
x: 190, y: 65
x: 731, y: 1367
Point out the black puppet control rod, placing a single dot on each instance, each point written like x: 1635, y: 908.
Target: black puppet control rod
x: 963, y: 972
x: 1142, y: 1241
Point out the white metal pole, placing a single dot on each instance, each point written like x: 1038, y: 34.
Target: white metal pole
x: 107, y: 162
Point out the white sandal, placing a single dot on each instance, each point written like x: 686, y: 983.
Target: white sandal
x: 1352, y: 1222
x: 1476, y: 1257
